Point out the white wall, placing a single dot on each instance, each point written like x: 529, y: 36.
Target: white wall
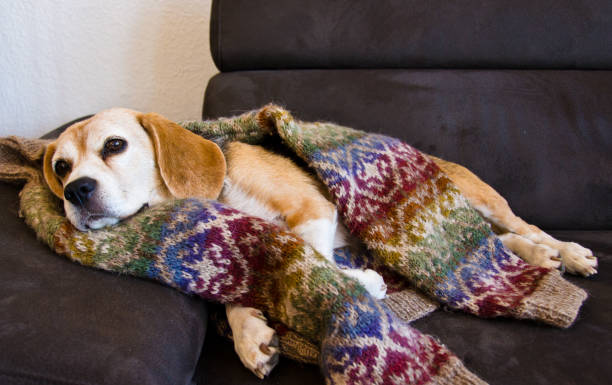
x: 61, y: 59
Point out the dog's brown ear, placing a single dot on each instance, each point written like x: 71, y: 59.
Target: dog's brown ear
x: 54, y: 184
x: 190, y: 165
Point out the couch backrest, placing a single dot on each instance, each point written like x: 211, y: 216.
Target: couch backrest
x: 275, y: 34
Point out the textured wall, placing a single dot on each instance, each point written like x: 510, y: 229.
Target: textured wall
x: 66, y: 58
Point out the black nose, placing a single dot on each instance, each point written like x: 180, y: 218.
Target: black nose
x: 79, y: 191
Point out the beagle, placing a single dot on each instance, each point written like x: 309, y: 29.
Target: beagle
x: 108, y: 167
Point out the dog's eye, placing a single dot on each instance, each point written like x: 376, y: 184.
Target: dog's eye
x: 62, y: 168
x: 113, y: 146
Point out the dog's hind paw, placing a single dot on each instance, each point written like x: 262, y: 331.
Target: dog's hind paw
x: 578, y: 259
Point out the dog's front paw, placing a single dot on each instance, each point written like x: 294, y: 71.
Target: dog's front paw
x: 371, y: 280
x: 578, y: 259
x: 256, y: 343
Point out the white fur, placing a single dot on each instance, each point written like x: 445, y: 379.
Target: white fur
x: 371, y: 280
x: 343, y: 237
x: 319, y: 233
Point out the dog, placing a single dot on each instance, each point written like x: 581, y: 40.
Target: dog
x: 114, y: 164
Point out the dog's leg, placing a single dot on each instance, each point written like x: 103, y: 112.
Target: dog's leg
x: 533, y: 243
x: 254, y: 341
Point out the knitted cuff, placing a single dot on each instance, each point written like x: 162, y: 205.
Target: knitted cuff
x: 410, y: 305
x: 555, y: 301
x: 454, y: 373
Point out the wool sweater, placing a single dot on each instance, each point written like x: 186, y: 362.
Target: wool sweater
x: 412, y: 219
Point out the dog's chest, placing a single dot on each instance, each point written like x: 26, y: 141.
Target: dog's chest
x: 237, y: 197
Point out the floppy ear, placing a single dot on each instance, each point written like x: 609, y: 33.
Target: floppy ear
x: 54, y: 184
x: 190, y: 165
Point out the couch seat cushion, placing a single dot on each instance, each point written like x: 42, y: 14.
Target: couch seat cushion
x: 61, y: 323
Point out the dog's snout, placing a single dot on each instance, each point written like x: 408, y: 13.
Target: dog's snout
x: 79, y: 191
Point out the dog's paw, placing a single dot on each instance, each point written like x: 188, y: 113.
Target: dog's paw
x: 256, y: 343
x: 371, y: 280
x: 578, y: 259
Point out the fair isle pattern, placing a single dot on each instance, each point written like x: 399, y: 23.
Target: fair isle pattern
x: 416, y: 222
x: 409, y: 356
x: 216, y: 252
x: 496, y: 280
x: 208, y: 249
x: 410, y: 216
x: 365, y: 363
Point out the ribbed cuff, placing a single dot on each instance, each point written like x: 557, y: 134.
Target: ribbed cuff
x: 455, y: 373
x: 555, y: 301
x: 410, y: 305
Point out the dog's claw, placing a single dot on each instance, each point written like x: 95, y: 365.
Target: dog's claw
x: 265, y: 349
x: 271, y: 349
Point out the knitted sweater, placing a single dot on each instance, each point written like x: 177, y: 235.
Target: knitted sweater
x: 412, y: 219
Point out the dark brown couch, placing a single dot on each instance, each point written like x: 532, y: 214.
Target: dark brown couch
x: 520, y: 92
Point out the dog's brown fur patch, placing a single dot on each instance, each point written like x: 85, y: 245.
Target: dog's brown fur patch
x: 277, y: 182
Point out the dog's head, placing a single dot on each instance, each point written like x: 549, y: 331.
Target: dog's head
x: 108, y: 167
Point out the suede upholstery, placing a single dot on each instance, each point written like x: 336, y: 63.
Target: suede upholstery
x: 506, y: 88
